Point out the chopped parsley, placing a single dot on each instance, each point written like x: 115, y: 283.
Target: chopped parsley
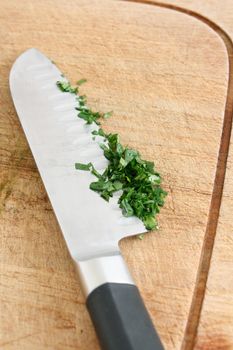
x: 81, y: 81
x: 137, y: 180
x: 80, y: 166
x: 65, y: 86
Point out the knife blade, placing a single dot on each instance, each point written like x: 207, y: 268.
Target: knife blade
x: 91, y: 226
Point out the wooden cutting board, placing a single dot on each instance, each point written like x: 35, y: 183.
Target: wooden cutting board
x: 164, y: 70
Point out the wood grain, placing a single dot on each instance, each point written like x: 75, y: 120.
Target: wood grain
x: 168, y: 89
x: 215, y: 329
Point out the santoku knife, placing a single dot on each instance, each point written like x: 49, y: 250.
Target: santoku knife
x: 91, y: 226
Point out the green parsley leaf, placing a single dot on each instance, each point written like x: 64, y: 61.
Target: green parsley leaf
x: 65, y: 86
x: 81, y: 166
x: 99, y: 132
x: 150, y: 222
x: 127, y: 210
x: 107, y: 115
x: 81, y: 81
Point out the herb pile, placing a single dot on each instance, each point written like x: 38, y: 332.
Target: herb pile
x: 139, y: 183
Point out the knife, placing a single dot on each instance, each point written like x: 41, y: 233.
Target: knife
x: 91, y: 226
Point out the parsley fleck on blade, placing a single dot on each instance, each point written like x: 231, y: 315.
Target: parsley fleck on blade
x: 80, y: 166
x: 65, y: 86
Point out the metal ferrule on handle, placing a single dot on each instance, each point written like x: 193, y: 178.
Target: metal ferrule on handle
x: 116, y: 308
x: 105, y: 269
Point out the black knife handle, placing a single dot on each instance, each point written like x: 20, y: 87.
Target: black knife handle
x: 120, y: 318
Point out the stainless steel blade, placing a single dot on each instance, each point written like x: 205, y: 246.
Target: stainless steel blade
x: 57, y: 138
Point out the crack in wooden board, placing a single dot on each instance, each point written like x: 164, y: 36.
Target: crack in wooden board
x: 213, y: 217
